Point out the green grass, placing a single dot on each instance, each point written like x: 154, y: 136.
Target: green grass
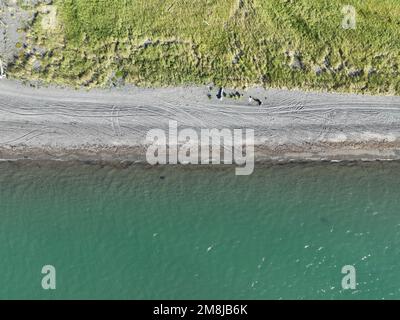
x: 227, y: 42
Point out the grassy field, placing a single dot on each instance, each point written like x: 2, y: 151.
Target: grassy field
x: 235, y: 43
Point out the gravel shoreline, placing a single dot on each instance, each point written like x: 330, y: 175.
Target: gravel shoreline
x: 64, y: 124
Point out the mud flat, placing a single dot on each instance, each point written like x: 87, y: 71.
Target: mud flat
x: 63, y: 124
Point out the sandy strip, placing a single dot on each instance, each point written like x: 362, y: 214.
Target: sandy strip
x: 63, y: 124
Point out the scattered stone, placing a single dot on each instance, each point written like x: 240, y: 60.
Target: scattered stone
x: 318, y: 70
x: 296, y: 62
x: 355, y: 73
x: 258, y: 101
x: 36, y: 66
x: 235, y: 95
x: 340, y: 67
x: 13, y: 21
x: 148, y: 43
x: 265, y: 79
x: 237, y: 57
x: 221, y: 94
x: 327, y: 62
x: 372, y: 71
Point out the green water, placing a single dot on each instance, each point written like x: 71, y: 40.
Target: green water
x: 140, y: 232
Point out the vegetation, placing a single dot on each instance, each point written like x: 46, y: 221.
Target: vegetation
x: 236, y: 43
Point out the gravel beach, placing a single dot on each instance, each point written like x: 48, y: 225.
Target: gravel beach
x: 64, y: 124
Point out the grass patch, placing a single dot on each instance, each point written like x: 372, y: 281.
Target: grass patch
x: 236, y: 43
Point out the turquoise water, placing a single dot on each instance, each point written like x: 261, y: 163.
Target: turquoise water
x: 138, y: 232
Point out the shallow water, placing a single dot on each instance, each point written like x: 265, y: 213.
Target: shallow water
x: 138, y: 232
